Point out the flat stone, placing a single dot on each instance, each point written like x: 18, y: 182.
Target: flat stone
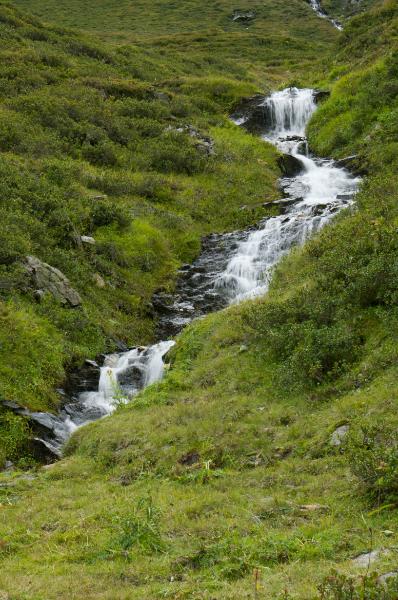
x: 313, y: 508
x: 290, y: 165
x: 339, y: 435
x: 368, y: 558
x: 241, y: 16
x: 86, y: 239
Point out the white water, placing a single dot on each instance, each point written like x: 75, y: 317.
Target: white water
x: 316, y: 5
x: 314, y: 196
x: 321, y: 190
x: 124, y: 375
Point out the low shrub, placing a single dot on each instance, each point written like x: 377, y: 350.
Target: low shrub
x: 368, y: 587
x: 372, y: 452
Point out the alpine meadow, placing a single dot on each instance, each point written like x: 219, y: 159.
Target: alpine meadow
x: 199, y: 300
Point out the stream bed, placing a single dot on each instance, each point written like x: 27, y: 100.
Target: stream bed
x: 231, y: 268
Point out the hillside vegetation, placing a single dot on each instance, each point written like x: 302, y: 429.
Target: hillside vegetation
x: 222, y: 482
x: 121, y: 146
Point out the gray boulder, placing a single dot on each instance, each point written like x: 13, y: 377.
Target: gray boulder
x: 243, y: 16
x: 339, y: 435
x: 368, y: 558
x: 387, y: 577
x: 46, y: 278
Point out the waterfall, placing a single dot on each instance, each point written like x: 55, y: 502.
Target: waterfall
x: 232, y: 267
x: 124, y: 375
x: 290, y: 110
x: 316, y: 6
x: 315, y: 195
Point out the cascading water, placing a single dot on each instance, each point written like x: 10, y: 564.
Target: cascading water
x: 316, y: 194
x: 316, y: 6
x: 231, y: 268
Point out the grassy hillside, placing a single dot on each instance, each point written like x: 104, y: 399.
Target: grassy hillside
x: 361, y: 115
x: 135, y: 21
x: 222, y: 482
x: 345, y: 9
x: 95, y: 142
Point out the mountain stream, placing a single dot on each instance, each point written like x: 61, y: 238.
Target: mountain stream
x: 232, y: 267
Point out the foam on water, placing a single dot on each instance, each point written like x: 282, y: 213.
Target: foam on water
x: 232, y: 267
x: 323, y: 190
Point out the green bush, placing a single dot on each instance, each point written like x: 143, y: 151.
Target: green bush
x: 372, y: 452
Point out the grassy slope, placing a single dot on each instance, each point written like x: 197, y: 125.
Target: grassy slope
x: 343, y: 9
x: 80, y: 120
x: 253, y: 397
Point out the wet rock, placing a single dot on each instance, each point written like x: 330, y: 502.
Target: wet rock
x: 320, y: 95
x: 352, y: 164
x: 120, y: 345
x: 339, y: 435
x: 284, y: 202
x: 290, y: 165
x: 83, y: 379
x: 345, y: 197
x: 345, y: 162
x: 131, y: 377
x: 253, y: 114
x: 46, y: 278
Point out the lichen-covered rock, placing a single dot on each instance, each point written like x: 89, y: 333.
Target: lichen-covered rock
x: 339, y: 435
x: 49, y: 279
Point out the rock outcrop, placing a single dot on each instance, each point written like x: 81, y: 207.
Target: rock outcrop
x: 45, y: 278
x: 240, y: 16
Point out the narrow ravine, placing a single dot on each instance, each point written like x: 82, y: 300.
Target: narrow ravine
x: 231, y: 268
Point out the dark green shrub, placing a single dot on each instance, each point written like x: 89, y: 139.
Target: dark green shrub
x: 172, y: 153
x: 101, y: 153
x: 106, y: 212
x: 372, y: 453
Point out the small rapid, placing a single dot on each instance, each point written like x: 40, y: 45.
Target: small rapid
x: 317, y: 193
x: 316, y: 6
x: 232, y: 267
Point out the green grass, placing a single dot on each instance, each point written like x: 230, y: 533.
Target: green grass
x: 223, y: 473
x: 90, y: 146
x: 343, y: 9
x: 127, y: 516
